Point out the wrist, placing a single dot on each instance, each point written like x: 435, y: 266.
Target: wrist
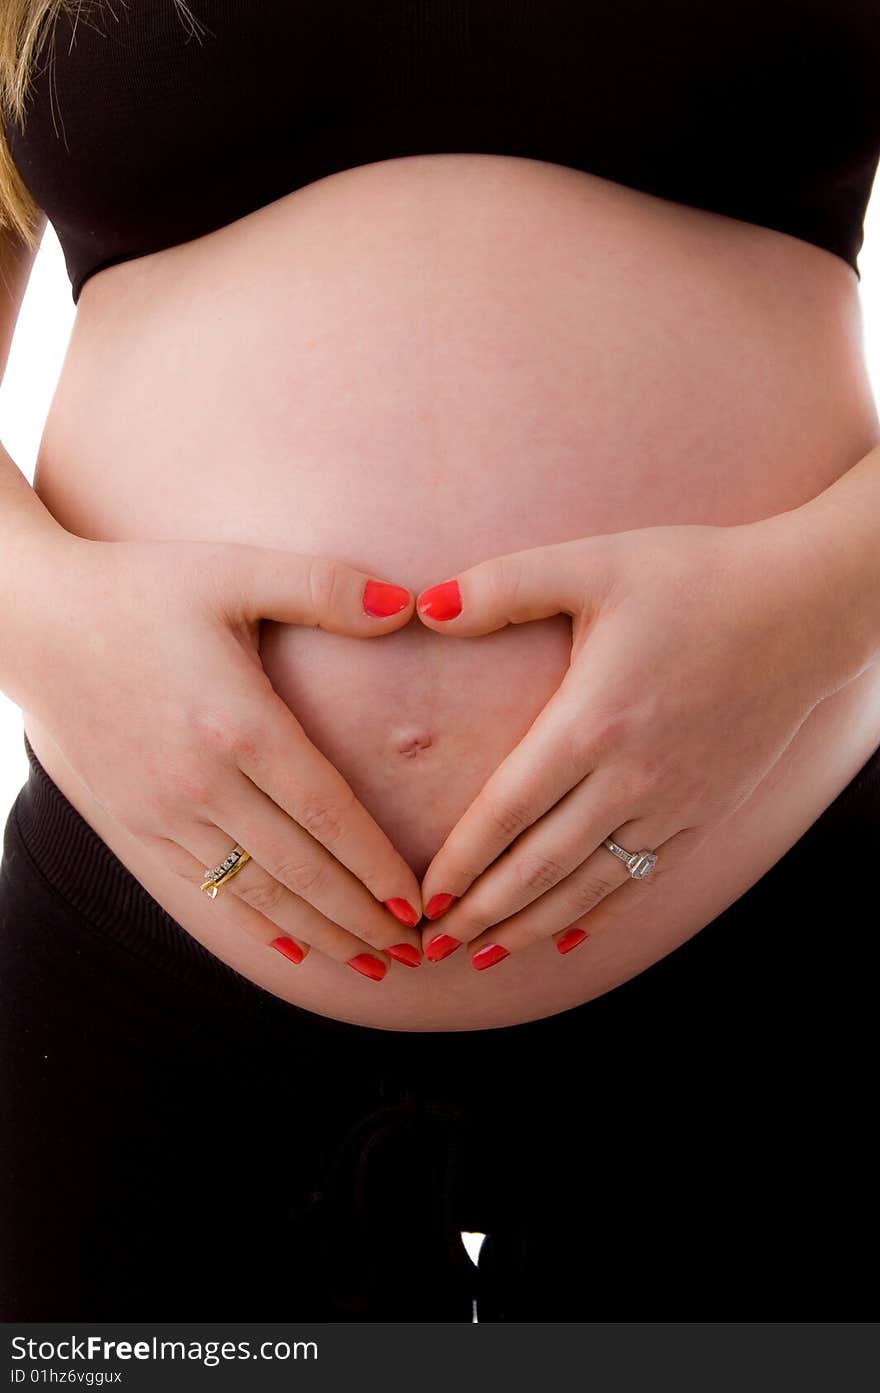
x: 39, y: 585
x: 831, y: 587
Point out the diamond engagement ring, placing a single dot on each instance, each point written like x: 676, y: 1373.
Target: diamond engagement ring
x: 638, y: 863
x: 237, y: 858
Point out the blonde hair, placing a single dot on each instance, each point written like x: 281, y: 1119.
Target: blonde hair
x: 25, y: 28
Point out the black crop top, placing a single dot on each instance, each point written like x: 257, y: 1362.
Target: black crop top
x: 140, y: 135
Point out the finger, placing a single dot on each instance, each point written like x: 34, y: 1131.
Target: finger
x: 295, y: 859
x: 282, y: 762
x: 316, y: 591
x: 537, y: 773
x: 569, y: 903
x: 514, y: 589
x: 607, y: 912
x: 237, y: 912
x: 549, y: 851
x: 254, y: 891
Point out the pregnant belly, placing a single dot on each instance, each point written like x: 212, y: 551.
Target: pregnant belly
x: 416, y: 365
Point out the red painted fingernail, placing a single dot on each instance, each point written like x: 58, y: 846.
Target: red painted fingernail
x: 441, y: 601
x: 438, y: 904
x: 405, y: 953
x: 289, y: 949
x: 489, y: 956
x: 570, y: 939
x: 369, y: 966
x: 403, y: 910
x: 382, y: 599
x: 441, y: 946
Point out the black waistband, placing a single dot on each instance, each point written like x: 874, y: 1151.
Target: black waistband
x: 95, y: 883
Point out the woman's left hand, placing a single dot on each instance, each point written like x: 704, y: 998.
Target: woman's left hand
x: 697, y: 653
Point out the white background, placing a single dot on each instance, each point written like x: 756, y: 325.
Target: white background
x: 35, y: 361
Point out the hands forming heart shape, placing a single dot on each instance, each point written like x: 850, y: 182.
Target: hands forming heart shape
x: 697, y: 654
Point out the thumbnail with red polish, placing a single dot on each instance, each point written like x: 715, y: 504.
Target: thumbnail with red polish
x: 441, y: 946
x: 489, y: 956
x: 405, y: 953
x: 441, y: 601
x: 369, y: 966
x: 290, y: 949
x: 381, y: 599
x: 403, y: 910
x: 570, y: 939
x: 438, y: 904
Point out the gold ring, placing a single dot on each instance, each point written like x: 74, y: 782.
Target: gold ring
x: 237, y: 858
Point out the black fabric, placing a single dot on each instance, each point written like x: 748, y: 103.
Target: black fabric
x: 142, y: 133
x: 180, y: 1144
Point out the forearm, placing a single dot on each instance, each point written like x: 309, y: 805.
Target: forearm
x: 29, y: 558
x: 24, y: 518
x: 836, y: 546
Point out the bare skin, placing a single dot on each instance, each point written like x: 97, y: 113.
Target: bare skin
x: 410, y: 367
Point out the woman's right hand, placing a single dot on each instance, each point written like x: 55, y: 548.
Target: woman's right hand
x: 142, y: 662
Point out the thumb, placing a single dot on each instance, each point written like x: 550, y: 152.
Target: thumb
x: 265, y: 583
x: 511, y: 589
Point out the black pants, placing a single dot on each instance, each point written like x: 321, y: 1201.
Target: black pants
x: 179, y: 1144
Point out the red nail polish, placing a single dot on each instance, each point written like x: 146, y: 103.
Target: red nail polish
x: 403, y: 910
x: 438, y: 904
x: 441, y: 946
x: 405, y: 953
x: 382, y: 599
x: 441, y: 601
x: 369, y: 965
x: 489, y: 956
x: 290, y: 949
x: 570, y: 939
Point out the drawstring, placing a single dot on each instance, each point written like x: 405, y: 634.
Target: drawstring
x: 349, y: 1230
x: 411, y: 1114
